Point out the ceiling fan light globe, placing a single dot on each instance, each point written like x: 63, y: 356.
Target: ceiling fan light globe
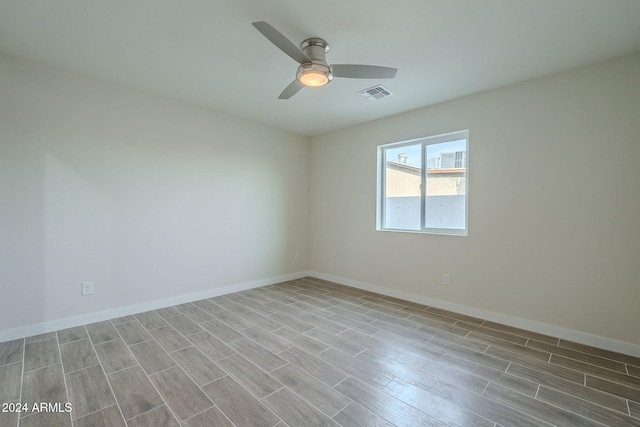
x: 313, y: 79
x: 314, y: 75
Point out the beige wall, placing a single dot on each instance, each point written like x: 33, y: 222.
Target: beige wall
x: 149, y: 198
x: 549, y: 241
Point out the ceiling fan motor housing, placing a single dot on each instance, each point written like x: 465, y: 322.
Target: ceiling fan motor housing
x: 316, y: 50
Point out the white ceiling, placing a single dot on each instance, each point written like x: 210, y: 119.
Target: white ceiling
x: 208, y: 53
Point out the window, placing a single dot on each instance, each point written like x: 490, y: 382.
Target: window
x: 422, y: 185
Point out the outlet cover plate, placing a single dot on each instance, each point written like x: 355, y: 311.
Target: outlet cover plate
x: 446, y: 280
x: 87, y: 288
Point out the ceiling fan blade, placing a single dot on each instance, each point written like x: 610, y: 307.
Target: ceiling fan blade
x: 281, y: 41
x: 354, y: 71
x: 293, y: 88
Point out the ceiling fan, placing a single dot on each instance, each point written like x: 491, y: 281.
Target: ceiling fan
x: 314, y: 70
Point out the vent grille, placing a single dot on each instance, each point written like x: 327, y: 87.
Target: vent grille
x: 375, y: 93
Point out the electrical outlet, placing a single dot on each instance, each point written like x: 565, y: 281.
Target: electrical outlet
x: 446, y: 280
x: 296, y: 257
x: 87, y: 288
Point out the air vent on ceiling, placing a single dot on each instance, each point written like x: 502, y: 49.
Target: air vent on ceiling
x: 375, y: 93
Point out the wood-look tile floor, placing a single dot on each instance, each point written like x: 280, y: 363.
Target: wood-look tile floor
x: 312, y: 353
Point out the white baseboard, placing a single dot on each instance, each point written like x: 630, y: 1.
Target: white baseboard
x: 55, y: 325
x: 555, y: 331
x: 529, y: 325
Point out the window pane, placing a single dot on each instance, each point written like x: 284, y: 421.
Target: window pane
x: 403, y: 175
x: 422, y: 185
x: 446, y: 185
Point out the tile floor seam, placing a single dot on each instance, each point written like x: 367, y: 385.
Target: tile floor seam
x: 42, y: 337
x: 590, y: 402
x: 613, y: 380
x: 333, y: 388
x: 144, y: 373
x: 119, y: 370
x: 93, y: 412
x: 157, y: 372
x: 340, y: 382
x: 80, y: 369
x: 64, y: 376
x: 257, y: 367
x: 589, y: 363
x: 485, y: 388
x: 265, y: 406
x: 413, y: 406
x: 567, y: 410
x: 266, y: 396
x: 518, y: 410
x: 198, y: 413
x: 602, y: 356
x: 98, y: 410
x: 211, y: 382
x: 93, y: 346
x: 156, y: 407
x: 9, y: 364
x: 301, y: 397
x: 164, y: 370
x: 342, y: 409
x: 24, y: 351
x: 126, y: 421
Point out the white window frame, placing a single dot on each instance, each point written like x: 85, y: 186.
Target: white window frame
x: 381, y: 184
